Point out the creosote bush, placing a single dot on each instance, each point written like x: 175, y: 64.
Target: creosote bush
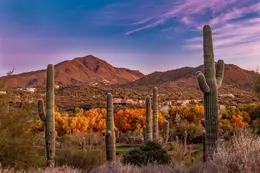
x: 150, y: 152
x: 17, y: 140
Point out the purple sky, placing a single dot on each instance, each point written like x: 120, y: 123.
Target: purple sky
x: 148, y: 35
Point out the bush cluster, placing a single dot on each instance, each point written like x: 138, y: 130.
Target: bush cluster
x: 150, y: 152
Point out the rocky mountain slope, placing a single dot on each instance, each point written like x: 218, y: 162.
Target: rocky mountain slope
x: 83, y: 70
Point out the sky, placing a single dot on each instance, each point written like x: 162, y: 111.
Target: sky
x: 145, y: 35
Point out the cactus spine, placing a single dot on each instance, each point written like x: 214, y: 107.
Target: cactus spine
x: 148, y: 128
x: 48, y: 117
x: 155, y: 114
x: 209, y: 85
x: 110, y: 131
x: 166, y: 132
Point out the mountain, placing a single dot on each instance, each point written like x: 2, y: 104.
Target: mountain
x: 82, y: 70
x: 233, y: 76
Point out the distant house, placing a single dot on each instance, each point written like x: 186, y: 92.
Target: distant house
x: 2, y: 92
x: 141, y: 102
x: 222, y: 108
x: 31, y: 90
x: 185, y: 102
x: 227, y: 95
x: 182, y: 102
x: 56, y: 86
x: 131, y: 101
x: 117, y: 100
x: 124, y: 102
x: 165, y: 108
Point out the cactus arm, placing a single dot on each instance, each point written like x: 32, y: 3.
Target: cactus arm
x: 220, y: 73
x: 202, y: 82
x: 41, y: 110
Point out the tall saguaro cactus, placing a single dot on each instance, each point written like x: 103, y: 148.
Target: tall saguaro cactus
x: 148, y: 128
x: 166, y: 132
x: 209, y: 85
x: 155, y: 114
x: 48, y: 117
x: 110, y: 131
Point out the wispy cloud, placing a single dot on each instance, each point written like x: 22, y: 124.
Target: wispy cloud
x: 197, y: 13
x: 234, y: 40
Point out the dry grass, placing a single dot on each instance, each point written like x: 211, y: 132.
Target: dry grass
x: 152, y: 168
x: 63, y: 169
x: 239, y: 155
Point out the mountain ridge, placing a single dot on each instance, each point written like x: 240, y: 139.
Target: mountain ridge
x: 93, y: 71
x: 88, y: 70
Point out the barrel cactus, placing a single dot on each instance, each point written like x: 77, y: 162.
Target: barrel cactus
x: 48, y: 117
x: 209, y: 85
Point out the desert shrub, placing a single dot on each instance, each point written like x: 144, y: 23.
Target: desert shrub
x: 240, y: 155
x: 246, y: 117
x: 150, y: 168
x: 81, y: 140
x: 190, y: 113
x: 237, y: 121
x: 130, y: 137
x: 194, y: 132
x: 255, y: 126
x: 63, y: 169
x: 133, y: 119
x: 92, y: 120
x: 135, y: 157
x: 82, y: 159
x: 255, y: 114
x: 81, y: 150
x: 18, y: 147
x: 150, y: 152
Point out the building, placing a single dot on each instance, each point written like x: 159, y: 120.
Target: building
x: 2, y: 92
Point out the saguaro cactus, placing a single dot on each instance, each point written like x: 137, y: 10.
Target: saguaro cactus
x: 209, y: 85
x: 49, y: 117
x: 148, y: 128
x: 144, y: 133
x: 110, y: 131
x: 155, y: 114
x: 165, y: 132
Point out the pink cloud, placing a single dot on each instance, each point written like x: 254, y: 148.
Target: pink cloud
x: 191, y: 13
x: 234, y: 40
x: 235, y: 13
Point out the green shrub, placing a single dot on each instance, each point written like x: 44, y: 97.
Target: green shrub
x: 150, y: 152
x: 18, y: 148
x: 135, y: 157
x: 255, y: 114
